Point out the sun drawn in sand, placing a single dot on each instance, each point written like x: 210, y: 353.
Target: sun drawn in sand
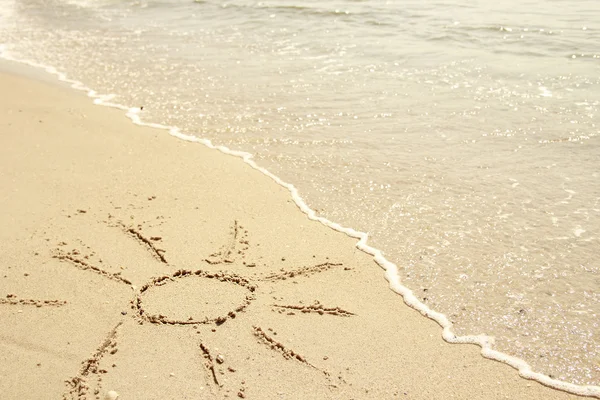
x: 88, y: 381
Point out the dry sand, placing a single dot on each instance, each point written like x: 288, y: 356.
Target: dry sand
x: 97, y: 215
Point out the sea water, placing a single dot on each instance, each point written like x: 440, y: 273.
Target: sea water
x: 463, y: 136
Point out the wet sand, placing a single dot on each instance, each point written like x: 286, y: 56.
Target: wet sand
x: 139, y: 264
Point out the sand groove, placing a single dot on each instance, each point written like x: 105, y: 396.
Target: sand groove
x: 11, y: 299
x: 155, y: 251
x: 237, y: 245
x: 288, y: 354
x: 79, y: 386
x: 209, y: 363
x: 142, y: 315
x: 318, y: 309
x: 304, y: 271
x: 85, y: 266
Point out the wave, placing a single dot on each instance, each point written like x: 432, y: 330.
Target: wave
x: 295, y: 10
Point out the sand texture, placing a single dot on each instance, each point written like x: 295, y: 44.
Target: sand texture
x: 134, y: 262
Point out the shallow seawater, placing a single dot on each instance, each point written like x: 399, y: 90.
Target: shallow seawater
x: 463, y: 136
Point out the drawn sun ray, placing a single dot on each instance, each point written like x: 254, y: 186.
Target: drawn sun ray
x: 13, y: 300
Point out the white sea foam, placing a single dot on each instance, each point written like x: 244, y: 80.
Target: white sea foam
x: 391, y: 270
x: 545, y: 92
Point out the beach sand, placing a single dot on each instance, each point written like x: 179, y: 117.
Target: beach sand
x: 97, y: 216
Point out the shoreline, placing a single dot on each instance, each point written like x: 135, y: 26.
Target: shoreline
x: 288, y: 212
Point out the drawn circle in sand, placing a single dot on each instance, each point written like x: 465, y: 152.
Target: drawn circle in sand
x: 193, y: 297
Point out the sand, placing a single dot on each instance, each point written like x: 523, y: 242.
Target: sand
x: 132, y: 262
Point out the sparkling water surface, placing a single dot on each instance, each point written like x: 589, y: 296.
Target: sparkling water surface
x: 462, y: 135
